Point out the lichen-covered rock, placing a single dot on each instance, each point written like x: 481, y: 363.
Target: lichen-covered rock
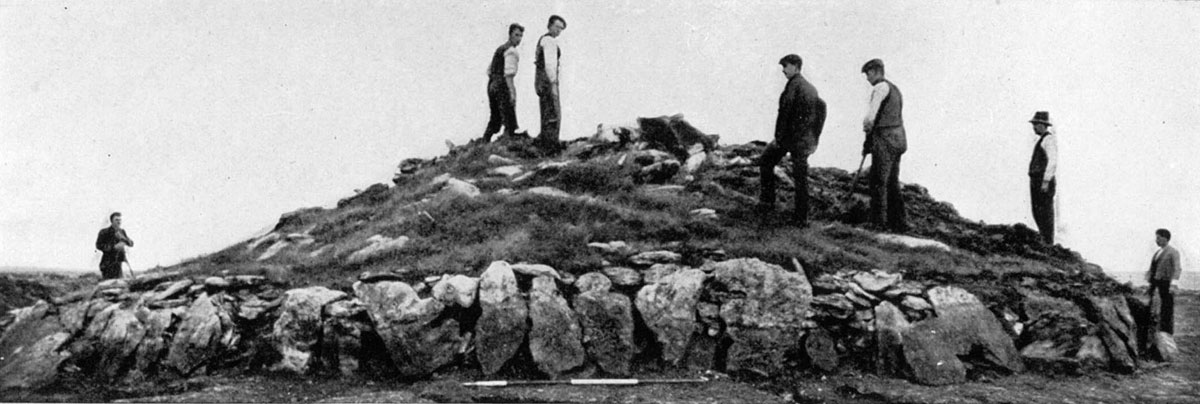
x: 607, y: 322
x: 890, y: 326
x: 668, y: 307
x: 416, y: 336
x: 297, y: 331
x: 876, y: 281
x: 762, y: 307
x: 593, y: 281
x: 29, y: 348
x: 535, y: 270
x: 623, y: 276
x: 456, y: 290
x: 154, y: 344
x: 115, y: 336
x: 502, y: 324
x: 555, y: 340
x: 963, y: 325
x: 655, y: 257
x: 202, y: 335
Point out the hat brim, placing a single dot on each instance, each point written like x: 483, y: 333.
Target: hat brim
x: 1047, y: 123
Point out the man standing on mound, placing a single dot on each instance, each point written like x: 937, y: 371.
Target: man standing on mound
x: 1164, y: 268
x: 885, y: 142
x: 112, y: 242
x: 545, y: 82
x: 797, y: 130
x: 1042, y: 166
x: 502, y: 93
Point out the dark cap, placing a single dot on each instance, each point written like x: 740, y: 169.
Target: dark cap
x: 872, y: 64
x: 792, y: 59
x: 1042, y: 117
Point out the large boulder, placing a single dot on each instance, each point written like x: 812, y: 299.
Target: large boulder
x: 763, y: 307
x: 419, y: 340
x: 668, y: 306
x: 890, y: 326
x: 115, y: 335
x: 963, y: 328
x: 555, y: 340
x: 502, y: 324
x: 155, y: 342
x: 206, y: 332
x: 607, y: 322
x: 456, y: 290
x: 30, y: 348
x: 298, y: 329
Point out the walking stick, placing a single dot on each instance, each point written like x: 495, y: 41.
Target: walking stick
x: 131, y: 274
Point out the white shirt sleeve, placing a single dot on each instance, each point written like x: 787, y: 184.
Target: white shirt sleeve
x: 550, y: 53
x: 511, y: 58
x: 878, y: 93
x: 1050, y: 145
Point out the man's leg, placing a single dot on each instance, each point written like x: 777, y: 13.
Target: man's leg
x: 110, y: 271
x: 881, y: 167
x: 800, y: 178
x: 1043, y: 208
x: 1167, y: 323
x: 549, y: 106
x: 766, y: 170
x: 895, y: 200
x: 509, y: 110
x: 496, y: 117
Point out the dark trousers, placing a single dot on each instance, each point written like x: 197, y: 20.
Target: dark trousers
x: 770, y: 158
x: 110, y: 270
x: 887, y: 204
x: 504, y: 110
x: 551, y: 110
x: 1166, y: 319
x: 1043, y: 207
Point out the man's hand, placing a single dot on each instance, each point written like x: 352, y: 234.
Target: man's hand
x: 867, y: 125
x: 867, y: 144
x: 1045, y: 185
x: 120, y: 246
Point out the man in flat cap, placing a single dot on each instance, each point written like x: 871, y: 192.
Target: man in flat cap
x: 1042, y: 166
x: 885, y: 142
x: 797, y: 130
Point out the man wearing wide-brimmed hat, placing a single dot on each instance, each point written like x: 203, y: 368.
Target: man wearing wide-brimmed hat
x: 1042, y: 166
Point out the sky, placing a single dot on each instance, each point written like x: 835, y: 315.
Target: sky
x: 204, y: 121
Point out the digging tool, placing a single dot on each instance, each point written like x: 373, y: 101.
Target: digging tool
x: 854, y: 182
x: 130, y: 266
x: 581, y: 382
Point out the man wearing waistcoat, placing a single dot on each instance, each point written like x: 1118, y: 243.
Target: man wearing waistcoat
x: 797, y: 130
x: 1164, y: 267
x: 1042, y: 167
x: 502, y: 93
x: 546, y: 84
x: 885, y: 142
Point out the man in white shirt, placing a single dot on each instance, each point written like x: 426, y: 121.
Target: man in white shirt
x: 1164, y: 268
x: 1042, y: 166
x: 885, y: 141
x: 546, y: 83
x: 502, y: 93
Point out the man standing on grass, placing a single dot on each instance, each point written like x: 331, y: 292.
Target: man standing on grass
x: 1164, y: 267
x: 112, y: 242
x: 546, y: 79
x: 797, y: 130
x: 502, y: 93
x: 1042, y: 166
x: 885, y: 142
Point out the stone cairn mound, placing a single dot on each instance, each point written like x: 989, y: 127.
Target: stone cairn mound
x: 739, y: 316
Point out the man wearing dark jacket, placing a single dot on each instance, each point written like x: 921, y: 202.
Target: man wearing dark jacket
x: 885, y: 142
x: 1164, y: 268
x: 1042, y: 166
x: 797, y: 131
x: 112, y: 242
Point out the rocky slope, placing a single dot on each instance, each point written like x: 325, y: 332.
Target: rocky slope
x: 616, y: 257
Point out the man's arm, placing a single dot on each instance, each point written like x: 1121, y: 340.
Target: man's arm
x: 1174, y: 264
x: 511, y: 58
x: 1050, y: 146
x: 125, y: 238
x: 550, y: 54
x: 101, y: 243
x: 878, y: 93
